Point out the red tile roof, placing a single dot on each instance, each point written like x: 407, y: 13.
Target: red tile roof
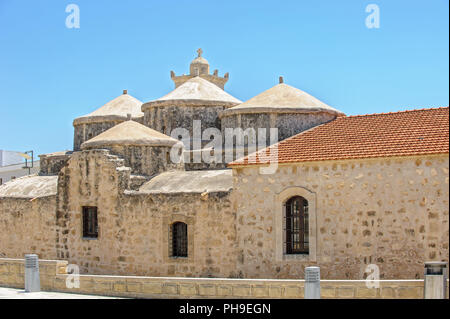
x: 415, y: 132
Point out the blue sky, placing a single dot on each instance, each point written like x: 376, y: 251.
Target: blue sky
x: 50, y: 74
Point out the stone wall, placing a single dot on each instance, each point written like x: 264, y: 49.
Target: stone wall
x: 12, y: 272
x: 389, y: 212
x: 51, y: 164
x: 194, y: 159
x: 167, y: 118
x: 392, y: 212
x: 27, y: 226
x: 90, y: 129
x: 86, y: 131
x: 134, y: 227
x: 53, y: 278
x: 288, y: 124
x: 147, y: 160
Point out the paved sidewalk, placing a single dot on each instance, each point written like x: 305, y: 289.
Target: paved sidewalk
x: 12, y: 293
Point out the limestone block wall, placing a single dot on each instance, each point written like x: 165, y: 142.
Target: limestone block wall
x: 27, y: 226
x: 134, y: 227
x: 391, y: 212
x: 288, y: 124
x: 53, y: 275
x: 12, y: 272
x: 90, y: 178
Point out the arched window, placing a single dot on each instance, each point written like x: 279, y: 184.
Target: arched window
x: 297, y: 226
x: 179, y: 240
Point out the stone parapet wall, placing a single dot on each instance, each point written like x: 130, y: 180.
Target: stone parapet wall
x: 12, y: 272
x: 53, y: 278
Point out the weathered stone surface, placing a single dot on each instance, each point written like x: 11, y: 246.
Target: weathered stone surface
x: 28, y: 226
x: 133, y: 226
x: 51, y: 164
x: 189, y: 182
x: 367, y: 212
x: 30, y: 186
x: 288, y: 124
x: 156, y: 287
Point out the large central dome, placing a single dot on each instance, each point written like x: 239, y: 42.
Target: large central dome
x: 196, y: 91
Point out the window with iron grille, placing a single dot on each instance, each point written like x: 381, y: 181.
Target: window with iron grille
x: 90, y: 223
x: 179, y: 240
x: 296, y: 226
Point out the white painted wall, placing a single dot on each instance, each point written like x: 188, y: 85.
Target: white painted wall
x: 10, y: 158
x: 11, y: 166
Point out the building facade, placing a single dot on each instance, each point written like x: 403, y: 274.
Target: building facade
x: 336, y: 191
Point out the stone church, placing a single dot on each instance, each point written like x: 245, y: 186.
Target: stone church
x: 342, y: 192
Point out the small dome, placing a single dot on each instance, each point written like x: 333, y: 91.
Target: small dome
x: 129, y: 133
x: 195, y: 91
x: 282, y: 98
x: 114, y: 110
x: 200, y: 60
x: 30, y: 186
x: 199, y: 66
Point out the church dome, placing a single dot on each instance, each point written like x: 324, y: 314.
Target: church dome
x: 129, y: 133
x: 196, y: 91
x: 282, y: 98
x: 115, y: 110
x: 283, y: 107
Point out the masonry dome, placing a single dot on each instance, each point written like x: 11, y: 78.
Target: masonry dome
x: 196, y: 91
x: 282, y: 98
x: 283, y: 107
x: 115, y: 110
x: 129, y: 133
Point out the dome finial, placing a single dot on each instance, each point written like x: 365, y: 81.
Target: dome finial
x: 281, y: 79
x: 199, y: 51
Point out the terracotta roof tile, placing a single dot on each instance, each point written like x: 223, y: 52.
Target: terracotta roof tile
x: 414, y: 132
